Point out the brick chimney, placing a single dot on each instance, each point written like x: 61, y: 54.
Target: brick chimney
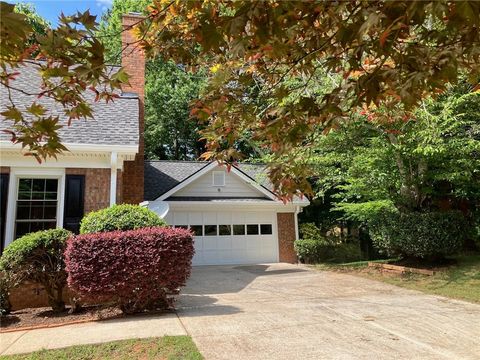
x: 133, y: 61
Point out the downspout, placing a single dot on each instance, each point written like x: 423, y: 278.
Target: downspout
x: 298, y: 210
x: 113, y: 178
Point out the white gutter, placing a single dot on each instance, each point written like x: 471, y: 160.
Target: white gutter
x: 113, y: 178
x: 298, y: 210
x: 123, y: 149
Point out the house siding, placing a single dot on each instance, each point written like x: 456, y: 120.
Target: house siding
x: 234, y: 187
x: 286, y: 237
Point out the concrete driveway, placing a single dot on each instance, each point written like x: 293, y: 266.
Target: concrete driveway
x: 284, y: 311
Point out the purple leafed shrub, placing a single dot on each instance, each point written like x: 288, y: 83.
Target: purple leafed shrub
x: 135, y: 269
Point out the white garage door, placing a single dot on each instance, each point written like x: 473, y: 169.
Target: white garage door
x: 239, y: 237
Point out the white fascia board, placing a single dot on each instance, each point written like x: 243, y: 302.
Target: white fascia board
x: 74, y: 147
x: 237, y: 205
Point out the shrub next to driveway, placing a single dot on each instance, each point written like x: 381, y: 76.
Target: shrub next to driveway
x: 135, y: 269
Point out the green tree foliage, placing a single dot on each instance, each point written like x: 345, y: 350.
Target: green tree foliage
x: 426, y: 161
x: 170, y: 131
x: 73, y: 42
x: 379, y: 49
x: 39, y: 24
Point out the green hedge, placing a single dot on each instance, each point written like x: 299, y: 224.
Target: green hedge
x: 120, y: 217
x: 313, y: 247
x: 419, y: 234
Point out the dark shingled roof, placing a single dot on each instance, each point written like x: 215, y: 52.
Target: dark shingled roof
x: 115, y: 123
x: 163, y: 175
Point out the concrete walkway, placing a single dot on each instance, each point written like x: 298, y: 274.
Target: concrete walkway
x: 90, y: 333
x: 286, y: 311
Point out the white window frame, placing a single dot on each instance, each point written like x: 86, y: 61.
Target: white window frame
x: 213, y: 178
x: 31, y: 173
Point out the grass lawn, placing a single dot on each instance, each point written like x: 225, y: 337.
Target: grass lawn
x: 460, y: 281
x: 168, y: 347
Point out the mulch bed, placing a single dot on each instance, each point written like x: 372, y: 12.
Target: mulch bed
x: 45, y: 317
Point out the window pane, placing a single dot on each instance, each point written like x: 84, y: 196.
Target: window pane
x: 23, y: 210
x: 197, y: 230
x: 51, y: 185
x: 224, y: 230
x: 37, y: 195
x: 38, y: 185
x: 36, y: 211
x: 210, y: 230
x: 24, y: 195
x: 25, y: 185
x: 50, y: 196
x: 252, y: 229
x: 50, y: 211
x: 266, y: 229
x: 22, y: 228
x: 239, y: 229
x: 182, y: 226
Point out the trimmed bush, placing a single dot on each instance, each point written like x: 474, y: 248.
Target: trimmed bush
x: 135, y: 269
x: 5, y: 306
x: 426, y: 235
x: 313, y: 247
x: 120, y: 217
x: 38, y: 257
x: 311, y: 251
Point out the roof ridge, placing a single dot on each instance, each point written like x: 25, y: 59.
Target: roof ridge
x: 201, y: 162
x: 178, y: 161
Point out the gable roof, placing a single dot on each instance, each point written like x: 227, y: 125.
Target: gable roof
x: 115, y: 123
x: 162, y: 176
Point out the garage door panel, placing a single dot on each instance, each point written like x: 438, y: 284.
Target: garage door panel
x: 236, y: 248
x: 210, y: 243
x: 224, y: 243
x: 238, y: 243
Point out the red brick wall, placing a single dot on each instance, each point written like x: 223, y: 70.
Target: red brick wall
x: 32, y: 295
x: 97, y: 187
x: 133, y: 61
x: 286, y: 237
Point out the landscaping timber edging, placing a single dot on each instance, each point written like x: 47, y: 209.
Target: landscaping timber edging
x: 401, y: 269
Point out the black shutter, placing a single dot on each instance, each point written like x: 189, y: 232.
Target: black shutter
x: 74, y: 199
x: 3, y: 207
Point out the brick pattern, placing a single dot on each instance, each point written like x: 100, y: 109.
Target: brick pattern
x: 133, y: 61
x: 97, y: 187
x: 286, y: 237
x: 33, y: 295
